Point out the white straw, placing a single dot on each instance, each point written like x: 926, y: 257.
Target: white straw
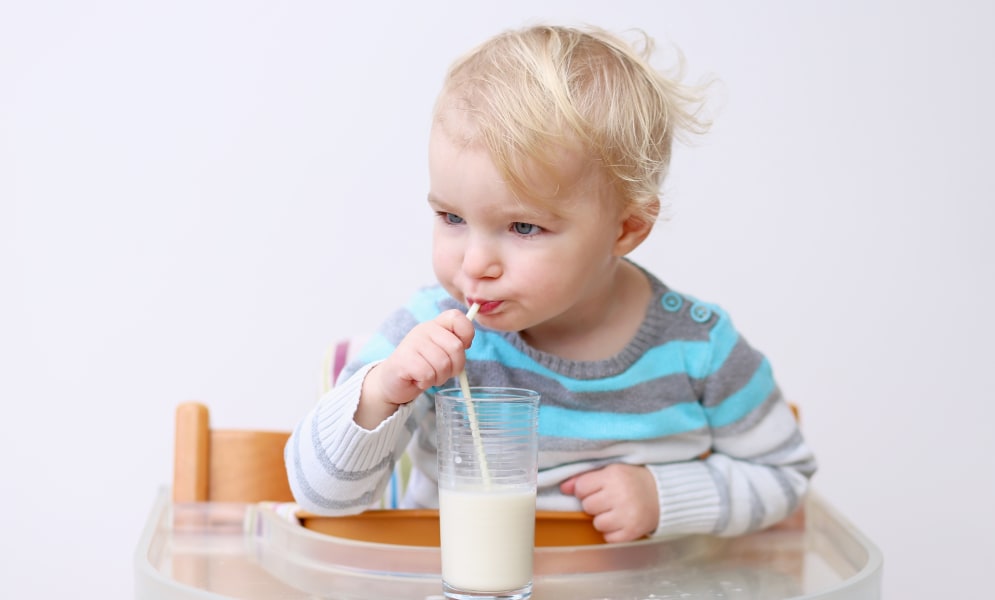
x: 464, y: 384
x: 470, y: 314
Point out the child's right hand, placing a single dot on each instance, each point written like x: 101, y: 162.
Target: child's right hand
x: 431, y: 354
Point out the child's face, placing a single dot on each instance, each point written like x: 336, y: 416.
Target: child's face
x: 527, y: 263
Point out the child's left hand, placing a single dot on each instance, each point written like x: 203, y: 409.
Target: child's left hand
x: 621, y: 498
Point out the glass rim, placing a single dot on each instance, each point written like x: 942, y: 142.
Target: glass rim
x: 490, y: 392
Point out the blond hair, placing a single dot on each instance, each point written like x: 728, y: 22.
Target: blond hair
x: 531, y: 94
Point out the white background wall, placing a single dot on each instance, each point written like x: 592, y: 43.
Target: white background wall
x: 197, y: 197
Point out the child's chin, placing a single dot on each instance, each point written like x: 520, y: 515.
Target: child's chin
x: 497, y: 323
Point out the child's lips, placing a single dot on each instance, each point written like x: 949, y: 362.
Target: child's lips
x: 486, y: 306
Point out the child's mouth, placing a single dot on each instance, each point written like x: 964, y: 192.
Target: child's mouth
x: 486, y: 306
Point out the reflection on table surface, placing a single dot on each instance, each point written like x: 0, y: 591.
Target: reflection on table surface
x: 244, y: 551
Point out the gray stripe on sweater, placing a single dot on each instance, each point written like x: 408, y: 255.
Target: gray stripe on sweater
x: 757, y: 510
x: 787, y: 488
x: 777, y: 454
x: 724, y: 503
x: 737, y: 369
x: 398, y: 326
x: 385, y: 464
x: 646, y: 397
x: 313, y: 496
x: 751, y: 419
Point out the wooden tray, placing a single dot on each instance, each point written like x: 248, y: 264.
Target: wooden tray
x: 421, y: 527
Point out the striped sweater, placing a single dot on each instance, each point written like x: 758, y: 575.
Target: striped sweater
x: 688, y: 398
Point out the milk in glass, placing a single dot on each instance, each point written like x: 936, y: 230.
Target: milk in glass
x: 487, y: 538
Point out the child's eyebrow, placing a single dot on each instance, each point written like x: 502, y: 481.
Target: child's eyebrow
x: 438, y: 204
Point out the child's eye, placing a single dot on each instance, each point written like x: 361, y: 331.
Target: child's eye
x: 525, y: 228
x: 450, y: 218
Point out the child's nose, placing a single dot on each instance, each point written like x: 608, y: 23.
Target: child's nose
x: 481, y: 259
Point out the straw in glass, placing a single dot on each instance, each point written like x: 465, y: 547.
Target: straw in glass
x: 471, y: 412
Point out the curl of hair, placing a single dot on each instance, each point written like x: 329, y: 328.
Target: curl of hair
x: 531, y: 94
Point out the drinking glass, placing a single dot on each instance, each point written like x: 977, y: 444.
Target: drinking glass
x: 488, y: 460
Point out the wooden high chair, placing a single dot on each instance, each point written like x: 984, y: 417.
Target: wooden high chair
x: 230, y: 465
x: 226, y: 465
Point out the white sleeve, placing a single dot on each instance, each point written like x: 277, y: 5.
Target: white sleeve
x: 336, y: 467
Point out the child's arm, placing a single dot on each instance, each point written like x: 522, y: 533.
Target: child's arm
x: 429, y: 355
x: 340, y: 457
x: 756, y: 474
x: 334, y: 466
x: 726, y: 493
x: 759, y: 467
x: 751, y: 480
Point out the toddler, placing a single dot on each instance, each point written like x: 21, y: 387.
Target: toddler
x: 547, y: 152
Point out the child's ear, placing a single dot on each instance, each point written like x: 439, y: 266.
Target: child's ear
x: 636, y: 225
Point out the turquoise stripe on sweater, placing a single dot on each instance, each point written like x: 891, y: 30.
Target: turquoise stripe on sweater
x: 377, y: 347
x: 564, y: 422
x: 425, y: 306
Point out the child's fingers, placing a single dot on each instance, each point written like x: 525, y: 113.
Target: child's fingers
x: 431, y: 354
x: 620, y: 499
x: 439, y: 359
x: 450, y: 343
x: 614, y: 534
x: 586, y: 484
x: 456, y: 322
x: 440, y: 354
x: 596, y: 503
